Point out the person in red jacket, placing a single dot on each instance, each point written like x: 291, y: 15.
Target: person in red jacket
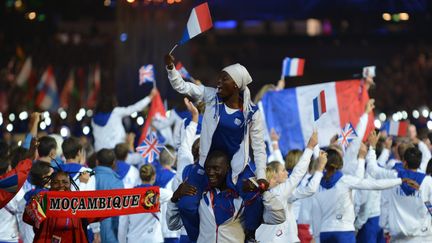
x: 59, y: 229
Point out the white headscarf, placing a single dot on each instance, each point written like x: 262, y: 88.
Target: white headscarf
x: 239, y: 74
x: 242, y: 78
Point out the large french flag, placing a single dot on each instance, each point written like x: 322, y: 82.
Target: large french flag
x: 292, y: 67
x: 395, y: 128
x: 199, y: 21
x: 290, y: 112
x: 47, y: 98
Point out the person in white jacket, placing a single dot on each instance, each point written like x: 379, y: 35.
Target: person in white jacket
x: 144, y: 227
x: 230, y: 122
x: 129, y: 174
x: 335, y: 203
x: 107, y: 123
x: 284, y: 188
x: 220, y: 208
x: 407, y: 218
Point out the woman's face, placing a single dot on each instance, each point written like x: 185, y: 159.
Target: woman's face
x: 60, y: 182
x: 226, y: 85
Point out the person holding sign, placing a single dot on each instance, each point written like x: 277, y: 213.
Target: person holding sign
x: 58, y: 229
x: 230, y: 122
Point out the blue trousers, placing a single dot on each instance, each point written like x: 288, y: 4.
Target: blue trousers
x: 371, y: 232
x: 338, y: 237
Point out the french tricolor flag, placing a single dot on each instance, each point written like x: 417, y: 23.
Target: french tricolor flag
x: 395, y: 128
x: 292, y: 67
x: 291, y: 111
x: 199, y: 21
x: 319, y: 105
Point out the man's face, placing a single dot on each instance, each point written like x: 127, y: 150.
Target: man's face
x: 216, y: 170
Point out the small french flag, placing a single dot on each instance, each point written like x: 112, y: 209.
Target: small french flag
x: 319, y: 105
x: 199, y: 21
x: 182, y: 70
x: 292, y: 67
x: 394, y: 128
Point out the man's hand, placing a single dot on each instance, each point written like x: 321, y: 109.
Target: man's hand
x: 313, y: 141
x: 84, y: 177
x: 373, y: 139
x: 192, y: 109
x: 183, y: 190
x: 169, y: 61
x: 35, y: 118
x: 322, y: 161
x: 274, y: 136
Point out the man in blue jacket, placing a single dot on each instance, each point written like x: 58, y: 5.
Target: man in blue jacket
x: 107, y: 179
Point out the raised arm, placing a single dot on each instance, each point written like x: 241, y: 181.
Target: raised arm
x: 276, y: 154
x: 372, y: 167
x: 301, y: 167
x: 426, y: 155
x: 177, y: 82
x: 33, y: 128
x: 385, y: 153
x: 304, y: 191
x: 184, y: 153
x: 286, y: 189
x: 138, y: 106
x: 374, y: 170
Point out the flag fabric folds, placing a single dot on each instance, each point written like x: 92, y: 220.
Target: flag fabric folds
x: 199, y: 21
x: 47, y: 98
x: 25, y: 72
x: 290, y: 112
x: 395, y: 128
x: 292, y: 67
x: 157, y: 110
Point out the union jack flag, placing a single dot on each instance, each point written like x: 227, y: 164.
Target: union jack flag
x: 150, y: 148
x: 347, y: 136
x: 146, y: 74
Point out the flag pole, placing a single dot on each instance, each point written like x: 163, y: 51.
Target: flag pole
x: 175, y: 46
